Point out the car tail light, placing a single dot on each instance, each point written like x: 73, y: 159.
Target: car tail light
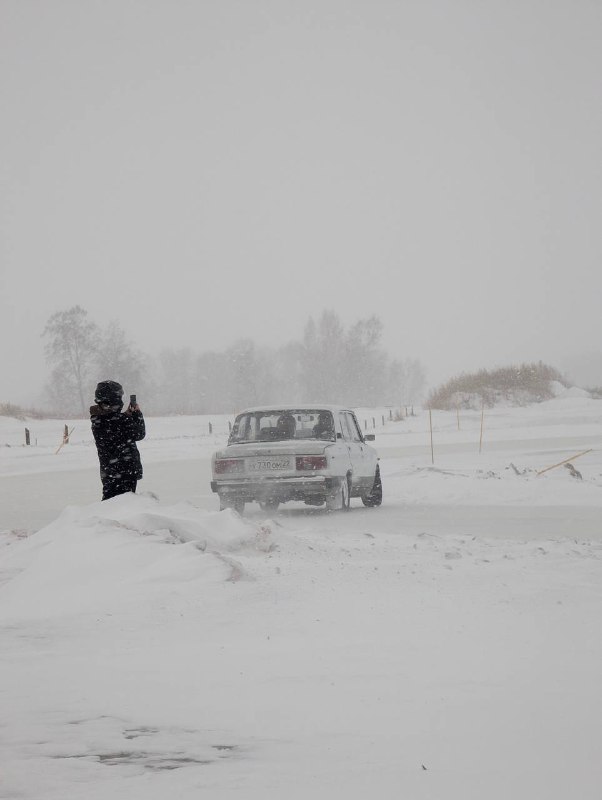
x: 311, y: 462
x: 223, y: 465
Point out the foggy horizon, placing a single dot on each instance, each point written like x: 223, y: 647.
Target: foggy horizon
x: 203, y: 173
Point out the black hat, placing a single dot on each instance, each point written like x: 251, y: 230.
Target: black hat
x: 109, y: 393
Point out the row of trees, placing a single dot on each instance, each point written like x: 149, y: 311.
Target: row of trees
x: 331, y: 363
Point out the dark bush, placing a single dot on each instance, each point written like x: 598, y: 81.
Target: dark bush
x: 514, y: 385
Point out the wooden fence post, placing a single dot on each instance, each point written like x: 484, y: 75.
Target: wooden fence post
x: 66, y: 434
x: 431, y: 427
x: 210, y: 428
x: 27, y: 442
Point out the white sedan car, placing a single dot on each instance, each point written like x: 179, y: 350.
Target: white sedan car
x: 317, y: 455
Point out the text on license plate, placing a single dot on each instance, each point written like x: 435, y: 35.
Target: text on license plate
x: 268, y: 464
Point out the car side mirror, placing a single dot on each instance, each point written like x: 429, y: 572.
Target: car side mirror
x: 369, y: 437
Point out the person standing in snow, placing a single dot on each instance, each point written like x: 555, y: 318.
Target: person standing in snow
x: 116, y: 433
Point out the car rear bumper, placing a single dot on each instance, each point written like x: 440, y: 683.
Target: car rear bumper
x: 281, y: 489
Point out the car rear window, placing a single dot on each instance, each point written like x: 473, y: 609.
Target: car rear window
x: 283, y: 425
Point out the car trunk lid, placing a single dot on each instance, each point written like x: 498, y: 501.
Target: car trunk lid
x: 274, y: 449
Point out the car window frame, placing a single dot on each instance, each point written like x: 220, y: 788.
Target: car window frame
x: 357, y: 427
x: 348, y: 430
x: 343, y: 426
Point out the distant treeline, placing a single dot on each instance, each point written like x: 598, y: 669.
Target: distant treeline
x: 17, y: 412
x: 513, y: 385
x: 331, y: 363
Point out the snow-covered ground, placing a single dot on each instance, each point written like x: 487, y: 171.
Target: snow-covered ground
x: 445, y: 645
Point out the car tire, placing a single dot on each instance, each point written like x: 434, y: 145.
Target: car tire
x: 235, y: 505
x: 375, y: 497
x: 341, y: 499
x: 269, y: 505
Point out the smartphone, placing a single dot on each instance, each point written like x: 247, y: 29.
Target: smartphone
x: 132, y: 400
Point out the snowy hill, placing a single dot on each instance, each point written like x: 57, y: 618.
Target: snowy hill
x: 516, y: 385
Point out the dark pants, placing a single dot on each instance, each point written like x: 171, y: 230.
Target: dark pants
x: 111, y: 488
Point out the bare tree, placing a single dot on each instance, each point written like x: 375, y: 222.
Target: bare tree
x: 365, y: 363
x: 322, y: 365
x: 413, y: 381
x: 71, y: 348
x: 118, y: 360
x: 174, y: 382
x: 241, y: 362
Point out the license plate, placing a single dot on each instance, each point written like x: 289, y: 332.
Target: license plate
x: 268, y: 464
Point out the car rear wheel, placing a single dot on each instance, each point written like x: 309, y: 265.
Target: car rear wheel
x: 269, y: 505
x: 340, y: 500
x: 236, y: 505
x: 375, y: 497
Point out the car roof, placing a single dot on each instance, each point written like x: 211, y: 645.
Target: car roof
x: 296, y: 407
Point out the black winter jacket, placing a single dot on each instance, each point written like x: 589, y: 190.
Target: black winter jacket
x: 116, y: 434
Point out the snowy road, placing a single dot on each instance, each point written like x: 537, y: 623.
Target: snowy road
x: 31, y: 501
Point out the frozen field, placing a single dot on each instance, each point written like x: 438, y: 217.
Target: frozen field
x: 445, y: 645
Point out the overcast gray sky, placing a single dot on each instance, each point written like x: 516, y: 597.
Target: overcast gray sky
x: 202, y: 171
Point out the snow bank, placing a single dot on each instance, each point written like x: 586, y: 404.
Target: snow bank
x: 574, y: 391
x: 102, y: 557
x: 500, y: 482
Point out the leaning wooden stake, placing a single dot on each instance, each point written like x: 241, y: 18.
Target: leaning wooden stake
x: 66, y: 436
x: 566, y: 461
x: 431, y: 427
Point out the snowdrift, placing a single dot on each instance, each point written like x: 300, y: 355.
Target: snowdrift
x: 103, y: 557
